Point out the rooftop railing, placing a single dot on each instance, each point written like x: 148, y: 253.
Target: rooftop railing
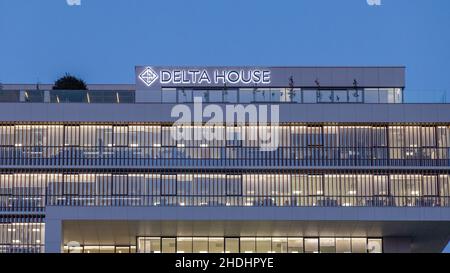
x: 271, y: 95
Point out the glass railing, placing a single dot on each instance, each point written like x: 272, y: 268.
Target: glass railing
x: 67, y: 96
x: 276, y: 95
x: 427, y: 96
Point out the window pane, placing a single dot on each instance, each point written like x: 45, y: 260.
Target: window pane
x: 295, y: 245
x: 343, y: 245
x: 216, y: 245
x: 374, y: 245
x: 263, y: 245
x: 231, y: 245
x: 184, y: 245
x: 310, y: 96
x: 359, y: 245
x: 168, y: 245
x: 169, y: 95
x: 371, y: 95
x: 248, y: 245
x: 200, y: 245
x: 327, y: 245
x: 311, y: 245
x: 279, y: 245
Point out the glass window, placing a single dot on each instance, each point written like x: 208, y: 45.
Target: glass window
x: 168, y: 245
x: 202, y: 94
x: 396, y: 142
x: 72, y: 135
x: 215, y: 96
x: 120, y: 136
x: 234, y: 185
x: 340, y: 96
x: 374, y: 245
x: 71, y: 185
x: 275, y: 95
x: 107, y: 249
x: 343, y: 245
x: 262, y: 94
x: 91, y: 249
x: 120, y: 185
x: 184, y: 95
x: 231, y: 245
x: 291, y: 95
x: 149, y: 245
x: 200, y: 245
x: 295, y: 245
x: 355, y: 95
x: 216, y: 245
x: 168, y: 185
x: 248, y: 245
x: 63, y: 96
x: 311, y: 245
x: 444, y: 189
x: 125, y: 97
x: 279, y: 245
x: 263, y: 245
x: 184, y: 245
x: 230, y: 95
x: 327, y: 245
x: 428, y: 137
x: 429, y: 187
x: 398, y: 95
x: 324, y: 96
x: 359, y: 245
x: 386, y: 95
x: 169, y: 95
x: 123, y: 249
x: 310, y: 96
x: 169, y: 136
x: 247, y: 95
x: 371, y: 95
x: 7, y: 135
x: 99, y: 136
x: 34, y: 96
x: 9, y: 95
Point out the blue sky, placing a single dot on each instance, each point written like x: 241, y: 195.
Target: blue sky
x: 102, y: 40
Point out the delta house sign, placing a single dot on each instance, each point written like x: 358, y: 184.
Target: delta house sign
x: 152, y: 77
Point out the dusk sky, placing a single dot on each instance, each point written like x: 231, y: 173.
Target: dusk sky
x: 101, y: 41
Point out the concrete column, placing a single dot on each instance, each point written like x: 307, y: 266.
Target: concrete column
x: 397, y: 244
x: 53, y: 236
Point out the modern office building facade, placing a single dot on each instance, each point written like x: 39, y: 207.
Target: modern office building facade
x: 353, y: 169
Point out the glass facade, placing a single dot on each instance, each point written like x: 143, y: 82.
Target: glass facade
x: 361, y: 158
x: 22, y: 233
x: 68, y: 96
x: 52, y: 174
x: 229, y: 95
x: 284, y: 95
x: 258, y: 245
x: 155, y: 145
x: 34, y: 191
x: 147, y: 244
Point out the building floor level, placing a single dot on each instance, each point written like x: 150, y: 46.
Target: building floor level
x: 225, y: 159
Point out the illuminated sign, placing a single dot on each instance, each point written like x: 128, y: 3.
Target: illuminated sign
x: 196, y: 76
x: 215, y: 76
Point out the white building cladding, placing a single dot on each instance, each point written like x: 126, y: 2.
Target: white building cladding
x: 356, y: 170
